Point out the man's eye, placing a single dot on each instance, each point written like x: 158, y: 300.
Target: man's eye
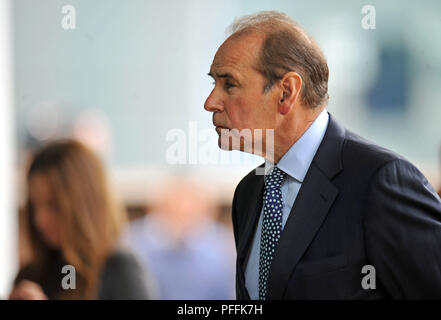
x: 229, y: 85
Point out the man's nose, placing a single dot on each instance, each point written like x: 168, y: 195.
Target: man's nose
x: 213, y: 103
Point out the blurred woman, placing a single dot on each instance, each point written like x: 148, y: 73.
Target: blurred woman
x: 73, y: 219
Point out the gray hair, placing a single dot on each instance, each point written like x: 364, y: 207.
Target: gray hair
x: 287, y: 47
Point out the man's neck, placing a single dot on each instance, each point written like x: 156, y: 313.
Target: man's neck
x: 290, y: 132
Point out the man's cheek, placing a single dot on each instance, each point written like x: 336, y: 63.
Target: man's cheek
x: 237, y: 112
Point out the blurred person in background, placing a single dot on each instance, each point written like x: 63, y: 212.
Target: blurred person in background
x: 190, y: 254
x: 74, y: 219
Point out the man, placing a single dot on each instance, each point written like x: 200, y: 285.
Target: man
x: 335, y: 216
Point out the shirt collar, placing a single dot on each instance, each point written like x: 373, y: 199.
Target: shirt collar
x: 296, y: 161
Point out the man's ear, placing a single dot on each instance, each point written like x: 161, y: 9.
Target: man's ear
x: 290, y: 86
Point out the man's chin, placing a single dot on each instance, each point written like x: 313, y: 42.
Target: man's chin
x: 224, y: 145
x: 229, y: 145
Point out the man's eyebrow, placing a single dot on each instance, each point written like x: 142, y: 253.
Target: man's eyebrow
x: 221, y: 75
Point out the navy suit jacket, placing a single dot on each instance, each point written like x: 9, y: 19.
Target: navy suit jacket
x: 359, y: 205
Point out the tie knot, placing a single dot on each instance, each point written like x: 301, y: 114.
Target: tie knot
x: 274, y: 178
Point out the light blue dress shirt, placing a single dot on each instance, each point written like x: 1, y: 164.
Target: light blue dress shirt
x: 295, y: 163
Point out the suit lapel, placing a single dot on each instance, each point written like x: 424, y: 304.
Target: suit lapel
x: 310, y: 209
x: 307, y: 214
x: 253, y: 214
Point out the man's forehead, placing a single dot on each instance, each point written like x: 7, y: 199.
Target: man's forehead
x: 236, y: 54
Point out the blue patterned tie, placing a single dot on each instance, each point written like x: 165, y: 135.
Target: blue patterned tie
x: 271, y: 226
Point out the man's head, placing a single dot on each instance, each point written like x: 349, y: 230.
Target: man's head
x: 269, y: 74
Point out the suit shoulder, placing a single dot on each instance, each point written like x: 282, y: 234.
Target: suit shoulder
x: 365, y: 154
